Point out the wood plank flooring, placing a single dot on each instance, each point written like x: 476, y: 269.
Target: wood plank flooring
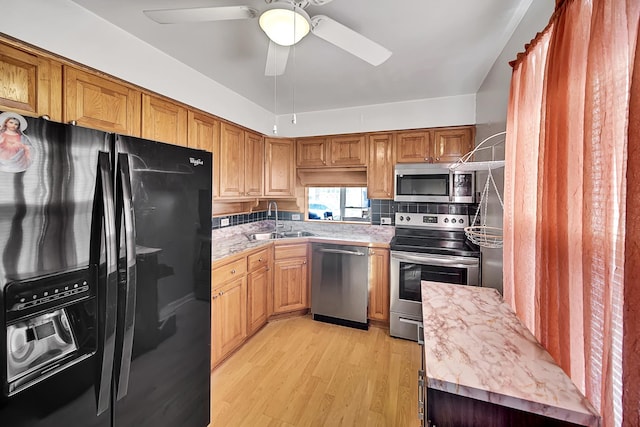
x: 299, y: 372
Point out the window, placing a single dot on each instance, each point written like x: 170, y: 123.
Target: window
x: 338, y: 204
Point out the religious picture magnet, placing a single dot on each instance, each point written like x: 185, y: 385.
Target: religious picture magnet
x: 16, y: 153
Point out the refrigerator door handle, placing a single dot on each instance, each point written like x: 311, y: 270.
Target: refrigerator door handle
x: 108, y: 305
x: 124, y: 185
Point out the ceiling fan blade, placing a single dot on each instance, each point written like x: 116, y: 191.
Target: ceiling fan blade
x: 201, y: 14
x: 276, y: 59
x: 349, y: 40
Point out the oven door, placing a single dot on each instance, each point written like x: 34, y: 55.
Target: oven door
x: 409, y: 269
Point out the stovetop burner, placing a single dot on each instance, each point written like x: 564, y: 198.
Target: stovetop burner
x: 430, y: 234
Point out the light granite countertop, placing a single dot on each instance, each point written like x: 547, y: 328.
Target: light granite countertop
x: 476, y: 347
x: 233, y: 240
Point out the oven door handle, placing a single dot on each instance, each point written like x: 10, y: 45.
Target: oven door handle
x: 448, y: 261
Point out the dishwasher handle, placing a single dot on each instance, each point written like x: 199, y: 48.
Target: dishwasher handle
x: 341, y: 252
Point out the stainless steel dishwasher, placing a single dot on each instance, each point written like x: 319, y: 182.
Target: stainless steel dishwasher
x: 340, y: 284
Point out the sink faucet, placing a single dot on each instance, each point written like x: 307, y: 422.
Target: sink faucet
x: 269, y: 213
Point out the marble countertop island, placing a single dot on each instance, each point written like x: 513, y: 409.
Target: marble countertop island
x: 476, y: 347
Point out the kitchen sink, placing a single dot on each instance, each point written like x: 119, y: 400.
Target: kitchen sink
x: 273, y: 235
x: 295, y: 234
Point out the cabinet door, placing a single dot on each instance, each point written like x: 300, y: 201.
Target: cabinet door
x: 290, y: 285
x: 164, y: 121
x: 348, y: 150
x: 380, y: 167
x: 99, y: 103
x: 30, y: 84
x: 311, y: 152
x: 258, y: 289
x: 204, y: 134
x: 379, y: 284
x: 228, y: 318
x: 451, y: 144
x: 279, y: 174
x: 413, y: 147
x: 231, y: 161
x: 253, y: 164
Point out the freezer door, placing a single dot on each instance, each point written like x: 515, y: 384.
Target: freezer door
x: 47, y: 187
x: 169, y: 370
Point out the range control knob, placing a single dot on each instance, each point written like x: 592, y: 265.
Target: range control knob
x: 453, y: 220
x: 446, y: 220
x: 461, y: 221
x: 408, y: 218
x: 401, y: 218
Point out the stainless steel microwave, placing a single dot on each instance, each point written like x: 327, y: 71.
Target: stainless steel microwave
x: 433, y: 182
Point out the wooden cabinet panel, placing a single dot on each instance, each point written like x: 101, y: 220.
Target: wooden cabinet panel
x: 258, y: 260
x: 258, y: 292
x: 279, y: 167
x: 290, y: 285
x: 290, y: 280
x: 413, y: 146
x: 228, y: 272
x: 311, y: 152
x: 349, y: 150
x: 163, y: 120
x: 451, y: 144
x: 100, y: 103
x: 30, y: 84
x: 204, y: 134
x: 228, y: 318
x: 231, y: 161
x: 253, y: 164
x: 380, y: 167
x: 379, y: 284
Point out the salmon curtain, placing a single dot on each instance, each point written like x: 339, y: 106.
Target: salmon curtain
x: 571, y: 268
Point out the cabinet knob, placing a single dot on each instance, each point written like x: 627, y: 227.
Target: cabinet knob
x: 437, y: 159
x: 221, y: 293
x: 259, y: 259
x: 233, y: 271
x: 372, y: 252
x: 304, y: 262
x: 214, y: 297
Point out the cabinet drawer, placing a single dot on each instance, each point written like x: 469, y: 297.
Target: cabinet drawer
x: 228, y: 272
x: 290, y: 251
x: 257, y: 260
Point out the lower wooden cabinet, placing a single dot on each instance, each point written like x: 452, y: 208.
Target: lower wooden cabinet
x: 258, y: 290
x: 228, y: 318
x: 379, y: 284
x: 290, y: 278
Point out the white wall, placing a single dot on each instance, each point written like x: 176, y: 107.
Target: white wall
x: 491, y: 114
x: 64, y: 28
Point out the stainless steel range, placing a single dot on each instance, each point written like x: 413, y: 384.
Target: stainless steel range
x: 427, y: 247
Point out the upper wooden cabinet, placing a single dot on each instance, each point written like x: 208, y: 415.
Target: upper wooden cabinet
x: 30, y: 84
x: 335, y: 151
x: 348, y: 150
x: 279, y: 176
x: 441, y: 145
x: 380, y: 167
x: 163, y: 120
x: 451, y: 144
x: 241, y: 162
x: 204, y: 134
x: 311, y: 152
x: 100, y: 103
x: 413, y: 146
x: 253, y: 164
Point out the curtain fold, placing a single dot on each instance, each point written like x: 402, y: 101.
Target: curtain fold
x: 569, y: 261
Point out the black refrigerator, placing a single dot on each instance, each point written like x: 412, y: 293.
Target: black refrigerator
x: 104, y: 278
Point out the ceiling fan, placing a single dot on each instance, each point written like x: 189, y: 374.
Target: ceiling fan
x: 285, y: 22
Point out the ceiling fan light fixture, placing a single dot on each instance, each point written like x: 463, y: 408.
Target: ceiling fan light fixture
x: 278, y: 25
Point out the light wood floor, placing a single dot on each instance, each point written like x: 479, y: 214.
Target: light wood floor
x: 299, y: 372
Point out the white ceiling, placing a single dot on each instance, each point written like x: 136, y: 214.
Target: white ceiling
x: 440, y: 48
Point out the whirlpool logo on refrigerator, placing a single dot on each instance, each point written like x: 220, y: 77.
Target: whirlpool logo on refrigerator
x: 196, y: 162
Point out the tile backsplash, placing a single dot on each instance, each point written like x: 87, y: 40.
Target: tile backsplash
x: 379, y: 209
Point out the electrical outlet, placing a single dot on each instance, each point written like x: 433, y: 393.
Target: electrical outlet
x: 224, y: 222
x: 295, y: 217
x: 385, y: 220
